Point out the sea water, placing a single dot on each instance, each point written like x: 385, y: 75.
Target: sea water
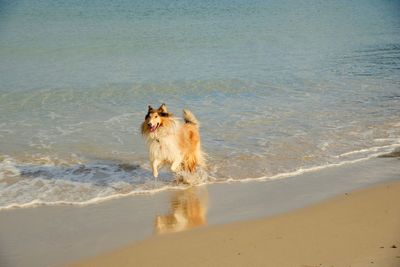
x: 280, y: 88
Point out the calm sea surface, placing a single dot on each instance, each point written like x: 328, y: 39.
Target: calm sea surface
x: 280, y: 87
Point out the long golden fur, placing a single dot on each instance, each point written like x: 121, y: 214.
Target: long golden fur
x: 172, y: 142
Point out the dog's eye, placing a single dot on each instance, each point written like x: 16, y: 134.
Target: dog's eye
x: 156, y: 116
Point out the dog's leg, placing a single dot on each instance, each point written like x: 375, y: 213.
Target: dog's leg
x: 175, y: 165
x: 154, y: 165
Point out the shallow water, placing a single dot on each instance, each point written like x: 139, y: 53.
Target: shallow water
x: 280, y: 87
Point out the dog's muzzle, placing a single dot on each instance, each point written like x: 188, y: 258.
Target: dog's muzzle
x: 153, y: 127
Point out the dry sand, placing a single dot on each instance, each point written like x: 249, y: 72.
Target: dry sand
x: 361, y: 228
x: 58, y: 235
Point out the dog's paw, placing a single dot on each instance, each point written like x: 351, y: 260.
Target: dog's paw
x: 175, y: 167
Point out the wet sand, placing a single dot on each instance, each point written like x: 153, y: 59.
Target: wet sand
x: 58, y: 235
x: 361, y: 228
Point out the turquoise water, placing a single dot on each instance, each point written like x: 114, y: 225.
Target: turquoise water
x: 280, y: 87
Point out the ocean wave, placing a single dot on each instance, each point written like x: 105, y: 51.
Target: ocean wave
x: 301, y: 171
x: 95, y: 200
x: 26, y: 185
x: 368, y: 150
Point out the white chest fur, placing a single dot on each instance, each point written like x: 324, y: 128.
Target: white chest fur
x: 164, y: 148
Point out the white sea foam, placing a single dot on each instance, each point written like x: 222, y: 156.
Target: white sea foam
x: 95, y: 200
x: 8, y: 168
x: 84, y: 184
x: 44, y: 182
x: 302, y: 170
x: 369, y: 150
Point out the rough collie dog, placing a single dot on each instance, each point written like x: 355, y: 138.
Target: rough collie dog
x: 172, y: 142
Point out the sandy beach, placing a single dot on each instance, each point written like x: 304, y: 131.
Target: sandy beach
x: 360, y: 228
x: 224, y: 220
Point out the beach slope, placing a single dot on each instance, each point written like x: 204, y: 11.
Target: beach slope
x: 361, y: 228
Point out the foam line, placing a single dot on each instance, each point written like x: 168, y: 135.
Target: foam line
x: 96, y: 200
x: 211, y: 180
x: 371, y: 149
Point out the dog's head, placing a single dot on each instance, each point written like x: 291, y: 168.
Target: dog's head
x: 155, y: 118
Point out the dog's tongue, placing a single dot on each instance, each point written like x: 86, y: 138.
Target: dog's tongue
x: 153, y: 128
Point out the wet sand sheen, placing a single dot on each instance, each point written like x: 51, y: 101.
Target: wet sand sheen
x: 62, y: 234
x: 354, y: 229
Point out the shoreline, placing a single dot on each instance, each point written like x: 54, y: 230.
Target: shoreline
x: 284, y: 175
x: 59, y: 235
x: 360, y: 228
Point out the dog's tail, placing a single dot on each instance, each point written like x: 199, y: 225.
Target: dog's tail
x: 190, y: 118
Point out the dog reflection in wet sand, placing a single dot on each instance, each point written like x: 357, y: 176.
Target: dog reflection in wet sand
x: 188, y: 210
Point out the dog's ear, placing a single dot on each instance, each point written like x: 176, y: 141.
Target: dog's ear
x: 163, y: 108
x: 164, y: 114
x: 151, y: 109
